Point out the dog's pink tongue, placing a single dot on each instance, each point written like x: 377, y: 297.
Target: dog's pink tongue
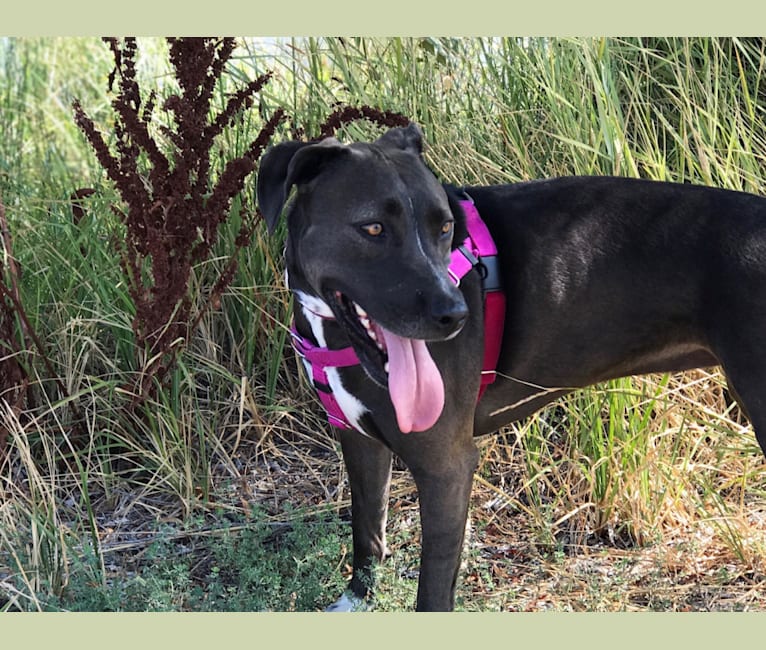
x: 414, y: 383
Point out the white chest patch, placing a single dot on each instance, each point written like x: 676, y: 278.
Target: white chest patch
x: 315, y: 312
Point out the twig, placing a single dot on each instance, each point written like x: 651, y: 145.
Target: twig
x: 38, y: 344
x: 14, y: 378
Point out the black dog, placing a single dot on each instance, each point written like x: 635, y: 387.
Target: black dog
x: 603, y: 278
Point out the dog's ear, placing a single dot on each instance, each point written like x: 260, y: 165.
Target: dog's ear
x: 288, y: 164
x: 270, y: 183
x: 409, y: 138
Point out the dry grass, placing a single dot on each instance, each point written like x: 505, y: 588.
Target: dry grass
x: 538, y: 539
x: 700, y: 549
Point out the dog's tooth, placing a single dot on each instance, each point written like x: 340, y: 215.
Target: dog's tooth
x: 365, y: 323
x: 359, y: 311
x: 385, y: 366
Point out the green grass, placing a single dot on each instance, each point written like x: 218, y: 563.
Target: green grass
x: 216, y: 495
x: 246, y: 565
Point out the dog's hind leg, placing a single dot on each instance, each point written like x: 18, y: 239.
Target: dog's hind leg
x: 745, y: 370
x: 368, y: 464
x: 750, y: 392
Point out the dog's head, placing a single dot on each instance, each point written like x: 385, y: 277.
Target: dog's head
x: 370, y: 233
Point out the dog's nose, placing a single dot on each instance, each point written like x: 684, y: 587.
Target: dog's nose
x: 449, y: 315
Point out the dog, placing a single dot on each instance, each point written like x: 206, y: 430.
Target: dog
x: 603, y: 277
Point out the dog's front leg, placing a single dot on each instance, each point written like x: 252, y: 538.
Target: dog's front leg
x: 368, y: 464
x: 444, y: 493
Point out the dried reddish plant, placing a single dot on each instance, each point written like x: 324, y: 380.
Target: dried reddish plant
x: 173, y: 203
x: 347, y: 114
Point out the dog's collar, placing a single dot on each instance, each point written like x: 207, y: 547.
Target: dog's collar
x: 477, y: 251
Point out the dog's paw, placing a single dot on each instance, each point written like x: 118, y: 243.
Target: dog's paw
x: 349, y: 602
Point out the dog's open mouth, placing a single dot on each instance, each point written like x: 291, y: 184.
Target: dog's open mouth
x: 366, y: 336
x: 402, y: 365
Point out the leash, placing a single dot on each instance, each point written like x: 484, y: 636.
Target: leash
x: 478, y: 251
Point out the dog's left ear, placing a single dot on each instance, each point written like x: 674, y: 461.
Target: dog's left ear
x: 288, y: 164
x: 409, y: 138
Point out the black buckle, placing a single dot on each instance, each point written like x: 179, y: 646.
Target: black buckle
x: 489, y: 269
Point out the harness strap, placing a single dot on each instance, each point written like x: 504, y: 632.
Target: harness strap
x: 477, y: 251
x: 320, y: 359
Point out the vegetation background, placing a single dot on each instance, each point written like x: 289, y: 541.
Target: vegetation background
x: 225, y: 490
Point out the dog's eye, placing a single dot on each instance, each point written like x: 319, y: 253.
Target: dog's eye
x: 373, y: 229
x: 447, y: 227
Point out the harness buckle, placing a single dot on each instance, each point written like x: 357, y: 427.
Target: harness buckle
x: 490, y: 273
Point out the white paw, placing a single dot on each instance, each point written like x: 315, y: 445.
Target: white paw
x: 348, y: 602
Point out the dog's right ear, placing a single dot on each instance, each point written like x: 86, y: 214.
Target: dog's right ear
x: 270, y: 184
x: 288, y: 164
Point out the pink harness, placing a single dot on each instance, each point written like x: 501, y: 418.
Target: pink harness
x: 477, y: 251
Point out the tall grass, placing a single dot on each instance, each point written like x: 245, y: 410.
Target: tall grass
x: 629, y: 463
x: 59, y: 473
